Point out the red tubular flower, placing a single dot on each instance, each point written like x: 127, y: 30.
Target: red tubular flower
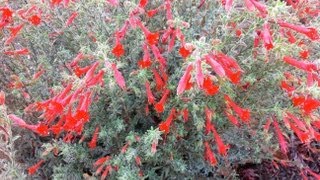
x: 184, y: 52
x: 143, y: 3
x: 234, y: 77
x: 230, y: 66
x: 106, y: 172
x: 185, y: 114
x: 303, y: 136
x: 165, y: 126
x: 154, y: 146
x: 78, y: 58
x: 244, y: 114
x: 144, y: 63
x: 304, y: 54
x: 34, y: 168
x: 228, y: 5
x: 310, y: 32
x: 285, y: 86
x: 208, y: 126
x: 157, y: 54
x: 98, y: 79
x: 281, y: 139
x: 159, y: 82
x: 267, y: 38
x: 310, y: 105
x: 297, y: 121
x: 124, y: 148
x: 20, y: 122
x: 90, y: 72
x: 209, y: 88
x: 209, y: 155
x: 290, y: 37
x: 249, y: 5
x: 152, y: 38
x: 238, y: 33
x: 180, y: 35
x: 257, y: 38
x: 150, y: 96
x: 164, y: 75
x: 152, y: 12
x: 166, y: 35
x: 101, y: 161
x: 138, y: 160
x: 35, y: 20
x: 159, y: 107
x: 266, y: 127
x: 93, y: 143
x: 118, y: 77
x: 6, y: 16
x: 199, y: 73
x: 118, y: 50
x: 222, y: 148
x: 232, y: 118
x: 260, y: 7
x: 42, y: 129
x: 14, y: 31
x: 2, y: 98
x: 300, y: 65
x: 120, y: 34
x: 215, y: 66
x: 71, y: 19
x: 24, y: 51
x: 184, y: 80
x: 78, y: 71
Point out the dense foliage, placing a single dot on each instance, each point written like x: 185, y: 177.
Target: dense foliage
x: 158, y: 89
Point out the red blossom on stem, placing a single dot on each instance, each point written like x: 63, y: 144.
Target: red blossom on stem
x: 281, y: 139
x: 199, y: 73
x: 244, y: 114
x: 165, y: 126
x: 306, y: 66
x: 2, y: 98
x: 184, y: 52
x: 215, y: 66
x: 159, y: 82
x: 182, y: 85
x: 71, y: 19
x: 185, y: 114
x: 93, y: 143
x: 209, y: 154
x: 118, y: 50
x: 14, y: 31
x: 209, y: 88
x: 33, y: 169
x: 267, y: 38
x: 23, y: 51
x: 232, y: 118
x: 310, y: 32
x: 222, y: 148
x: 152, y: 38
x: 35, y: 20
x: 150, y: 96
x: 118, y: 77
x: 159, y: 107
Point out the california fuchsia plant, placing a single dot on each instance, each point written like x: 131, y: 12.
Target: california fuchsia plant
x: 140, y: 89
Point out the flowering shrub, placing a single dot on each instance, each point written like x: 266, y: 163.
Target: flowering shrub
x: 157, y: 89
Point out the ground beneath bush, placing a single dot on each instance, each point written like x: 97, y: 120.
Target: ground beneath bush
x: 285, y: 167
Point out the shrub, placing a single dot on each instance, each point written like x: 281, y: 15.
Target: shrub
x: 159, y: 89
